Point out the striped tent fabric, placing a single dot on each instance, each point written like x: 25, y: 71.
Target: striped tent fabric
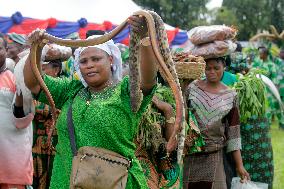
x: 24, y: 25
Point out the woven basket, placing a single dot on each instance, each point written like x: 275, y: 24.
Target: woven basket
x: 190, y: 70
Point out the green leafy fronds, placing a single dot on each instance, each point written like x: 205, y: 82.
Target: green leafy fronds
x: 251, y: 95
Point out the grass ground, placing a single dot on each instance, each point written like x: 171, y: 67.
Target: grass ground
x: 277, y: 136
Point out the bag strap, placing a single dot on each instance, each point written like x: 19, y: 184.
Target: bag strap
x: 71, y: 132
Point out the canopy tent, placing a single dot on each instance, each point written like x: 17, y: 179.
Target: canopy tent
x: 63, y: 17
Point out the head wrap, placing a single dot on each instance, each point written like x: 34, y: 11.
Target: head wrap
x: 94, y: 32
x: 18, y: 38
x: 111, y: 49
x: 53, y: 51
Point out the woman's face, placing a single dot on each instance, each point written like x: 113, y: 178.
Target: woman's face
x: 263, y: 54
x: 13, y: 49
x: 95, y: 66
x: 214, y: 70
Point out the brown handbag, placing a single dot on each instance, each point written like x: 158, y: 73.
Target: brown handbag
x: 96, y: 168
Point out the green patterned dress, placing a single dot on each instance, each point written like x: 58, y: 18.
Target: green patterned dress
x: 271, y: 72
x: 238, y: 63
x: 280, y: 77
x: 267, y: 66
x: 103, y: 119
x: 257, y: 151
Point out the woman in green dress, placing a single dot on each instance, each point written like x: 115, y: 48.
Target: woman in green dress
x: 101, y: 105
x: 257, y: 150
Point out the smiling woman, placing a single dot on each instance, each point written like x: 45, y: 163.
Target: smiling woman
x: 99, y: 104
x: 95, y: 66
x: 99, y: 66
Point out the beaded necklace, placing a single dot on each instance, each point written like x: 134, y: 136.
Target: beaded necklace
x: 104, y: 94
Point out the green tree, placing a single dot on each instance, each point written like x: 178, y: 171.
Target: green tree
x: 223, y: 15
x: 184, y: 14
x: 277, y: 14
x: 255, y: 16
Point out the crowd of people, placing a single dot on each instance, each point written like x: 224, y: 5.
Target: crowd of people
x: 90, y: 87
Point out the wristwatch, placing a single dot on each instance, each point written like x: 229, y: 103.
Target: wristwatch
x: 145, y: 41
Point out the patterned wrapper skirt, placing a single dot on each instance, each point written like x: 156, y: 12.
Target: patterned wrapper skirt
x: 257, y: 151
x: 204, y: 171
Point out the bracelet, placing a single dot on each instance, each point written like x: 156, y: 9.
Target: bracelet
x: 145, y: 41
x: 171, y: 120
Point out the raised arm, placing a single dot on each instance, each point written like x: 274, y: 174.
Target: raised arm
x: 148, y: 62
x: 29, y: 76
x: 148, y: 68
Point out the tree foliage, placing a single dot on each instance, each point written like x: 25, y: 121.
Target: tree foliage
x: 277, y: 14
x: 223, y: 15
x: 255, y: 16
x: 184, y: 14
x: 249, y: 16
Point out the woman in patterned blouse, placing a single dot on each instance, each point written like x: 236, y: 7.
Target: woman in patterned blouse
x: 216, y: 110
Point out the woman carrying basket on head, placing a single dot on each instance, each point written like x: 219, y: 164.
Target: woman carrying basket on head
x: 215, y: 108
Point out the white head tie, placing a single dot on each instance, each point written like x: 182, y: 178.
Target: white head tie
x: 111, y: 49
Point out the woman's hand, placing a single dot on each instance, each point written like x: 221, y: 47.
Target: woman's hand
x: 19, y: 100
x: 161, y: 105
x: 37, y: 37
x: 243, y: 174
x: 148, y: 61
x: 29, y: 78
x: 170, y: 130
x: 138, y: 24
x: 18, y: 110
x: 239, y: 166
